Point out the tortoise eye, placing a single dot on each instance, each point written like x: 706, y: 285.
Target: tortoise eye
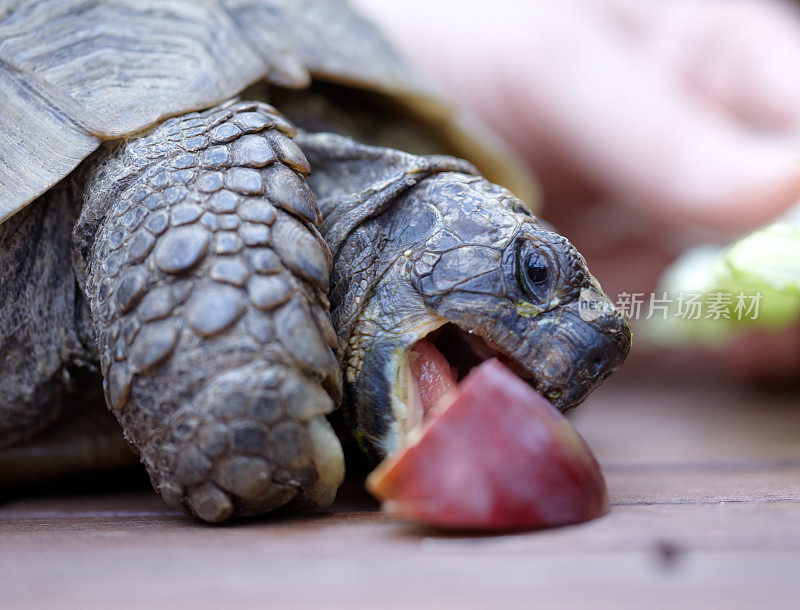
x: 534, y: 272
x: 536, y: 269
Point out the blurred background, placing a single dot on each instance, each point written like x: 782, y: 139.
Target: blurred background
x: 654, y: 128
x: 665, y: 135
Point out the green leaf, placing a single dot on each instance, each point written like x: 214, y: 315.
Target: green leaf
x: 764, y: 265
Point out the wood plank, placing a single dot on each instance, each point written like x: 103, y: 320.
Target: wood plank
x: 703, y: 478
x: 704, y: 484
x: 725, y: 553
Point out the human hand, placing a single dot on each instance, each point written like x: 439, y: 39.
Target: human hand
x: 687, y: 112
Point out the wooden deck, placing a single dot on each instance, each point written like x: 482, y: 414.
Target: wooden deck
x: 705, y: 484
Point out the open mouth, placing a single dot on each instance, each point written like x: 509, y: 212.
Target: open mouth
x: 490, y: 453
x: 439, y: 361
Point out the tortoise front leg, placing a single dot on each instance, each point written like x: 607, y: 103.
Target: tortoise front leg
x: 207, y: 289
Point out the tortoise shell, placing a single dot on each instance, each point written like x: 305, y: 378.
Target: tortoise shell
x: 75, y: 73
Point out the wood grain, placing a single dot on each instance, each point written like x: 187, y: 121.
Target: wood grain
x: 705, y: 486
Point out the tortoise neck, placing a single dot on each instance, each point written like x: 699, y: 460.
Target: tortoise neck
x: 353, y: 182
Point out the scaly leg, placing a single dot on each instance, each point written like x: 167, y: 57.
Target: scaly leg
x: 207, y: 285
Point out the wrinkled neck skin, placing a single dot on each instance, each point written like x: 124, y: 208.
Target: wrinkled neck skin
x: 439, y: 249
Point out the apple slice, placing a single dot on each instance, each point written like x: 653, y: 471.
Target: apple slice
x: 498, y: 457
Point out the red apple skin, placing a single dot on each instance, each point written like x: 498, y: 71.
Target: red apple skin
x: 499, y: 457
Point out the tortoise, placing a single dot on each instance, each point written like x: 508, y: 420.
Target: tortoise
x: 171, y: 238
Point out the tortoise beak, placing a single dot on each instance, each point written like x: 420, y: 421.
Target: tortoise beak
x: 564, y: 353
x: 570, y: 356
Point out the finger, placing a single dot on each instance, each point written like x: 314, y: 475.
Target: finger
x: 559, y: 79
x: 738, y: 54
x: 653, y: 145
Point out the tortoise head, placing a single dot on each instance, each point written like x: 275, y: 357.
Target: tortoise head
x: 467, y: 273
x: 435, y: 265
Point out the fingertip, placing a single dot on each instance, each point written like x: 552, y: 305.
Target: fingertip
x: 748, y: 199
